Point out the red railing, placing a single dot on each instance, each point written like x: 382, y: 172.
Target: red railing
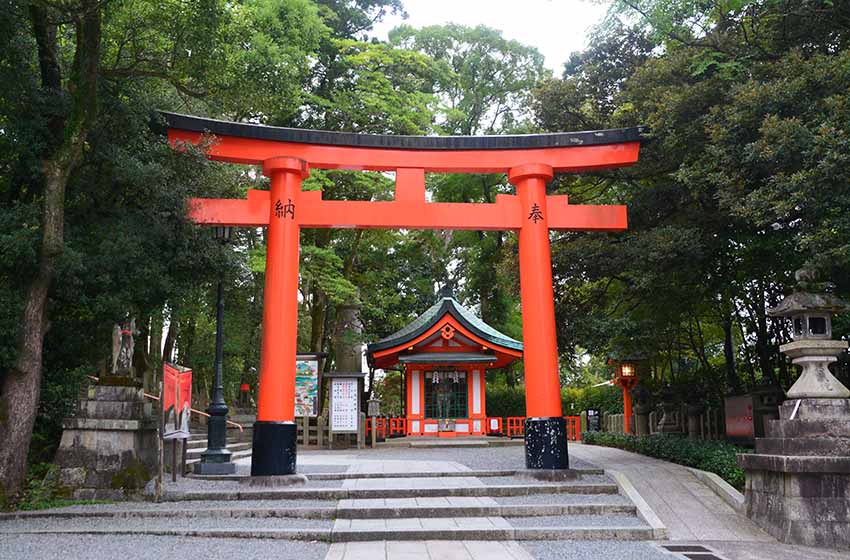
x: 380, y: 427
x: 573, y: 428
x: 516, y: 426
x: 398, y: 427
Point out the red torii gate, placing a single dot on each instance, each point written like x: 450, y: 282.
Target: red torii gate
x: 286, y: 156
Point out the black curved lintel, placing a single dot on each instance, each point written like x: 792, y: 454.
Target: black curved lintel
x: 308, y: 136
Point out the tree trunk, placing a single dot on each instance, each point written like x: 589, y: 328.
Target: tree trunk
x: 170, y: 337
x: 21, y: 387
x: 732, y: 380
x: 318, y: 308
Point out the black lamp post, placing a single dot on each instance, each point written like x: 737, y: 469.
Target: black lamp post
x: 216, y: 459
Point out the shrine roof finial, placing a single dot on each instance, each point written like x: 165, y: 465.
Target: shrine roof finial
x: 447, y: 291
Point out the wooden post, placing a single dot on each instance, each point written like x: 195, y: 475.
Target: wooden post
x: 320, y: 431
x: 174, y: 460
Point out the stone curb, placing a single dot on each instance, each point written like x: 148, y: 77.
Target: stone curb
x: 349, y: 535
x: 644, y: 512
x: 376, y: 475
x: 723, y: 489
x: 513, y: 510
x: 355, y: 493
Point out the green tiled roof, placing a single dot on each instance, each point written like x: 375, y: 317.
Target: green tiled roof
x: 433, y: 314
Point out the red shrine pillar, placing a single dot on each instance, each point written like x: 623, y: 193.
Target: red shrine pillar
x: 545, y: 427
x: 275, y: 436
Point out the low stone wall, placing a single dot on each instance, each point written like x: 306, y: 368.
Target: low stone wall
x: 710, y: 424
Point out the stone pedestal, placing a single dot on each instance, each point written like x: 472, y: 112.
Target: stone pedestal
x: 798, y: 480
x: 693, y: 412
x: 668, y: 424
x: 109, y: 450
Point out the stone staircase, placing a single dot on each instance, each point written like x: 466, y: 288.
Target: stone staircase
x: 341, y: 507
x: 239, y: 443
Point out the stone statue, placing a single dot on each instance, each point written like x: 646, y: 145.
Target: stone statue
x: 123, y: 346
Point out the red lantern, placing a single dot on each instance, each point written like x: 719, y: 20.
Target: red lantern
x: 625, y: 376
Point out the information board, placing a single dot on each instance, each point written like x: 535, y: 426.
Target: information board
x: 306, y: 387
x: 176, y: 401
x: 345, y: 406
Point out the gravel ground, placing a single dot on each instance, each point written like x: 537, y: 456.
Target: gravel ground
x: 563, y: 499
x: 145, y: 547
x: 199, y: 504
x: 154, y: 523
x: 594, y: 550
x: 609, y: 520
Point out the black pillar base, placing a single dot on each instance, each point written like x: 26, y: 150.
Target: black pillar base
x: 546, y: 443
x: 274, y: 448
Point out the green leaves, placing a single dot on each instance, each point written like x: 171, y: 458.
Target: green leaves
x: 485, y: 80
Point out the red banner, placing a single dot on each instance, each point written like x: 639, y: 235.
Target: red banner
x: 176, y: 401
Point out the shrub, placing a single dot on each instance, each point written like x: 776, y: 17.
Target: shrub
x: 712, y: 456
x: 504, y: 401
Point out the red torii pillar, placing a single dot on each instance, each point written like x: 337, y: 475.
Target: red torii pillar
x: 530, y: 162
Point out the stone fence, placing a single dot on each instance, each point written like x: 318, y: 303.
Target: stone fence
x: 704, y: 423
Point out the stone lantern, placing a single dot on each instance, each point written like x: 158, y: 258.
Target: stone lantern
x: 798, y: 479
x: 812, y: 348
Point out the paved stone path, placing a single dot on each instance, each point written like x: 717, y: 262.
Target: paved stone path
x: 428, y: 550
x: 689, y: 509
x: 421, y: 550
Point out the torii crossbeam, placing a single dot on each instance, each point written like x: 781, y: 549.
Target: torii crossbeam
x: 286, y: 156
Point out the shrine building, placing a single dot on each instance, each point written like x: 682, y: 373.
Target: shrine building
x: 444, y: 355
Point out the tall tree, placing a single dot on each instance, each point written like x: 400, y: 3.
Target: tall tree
x: 76, y: 134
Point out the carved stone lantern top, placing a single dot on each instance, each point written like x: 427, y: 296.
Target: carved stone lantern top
x: 810, y: 307
x: 811, y: 310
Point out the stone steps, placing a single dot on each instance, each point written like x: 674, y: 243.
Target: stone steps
x: 342, y: 512
x: 355, y: 493
x: 195, y: 453
x: 451, y: 505
x: 353, y: 535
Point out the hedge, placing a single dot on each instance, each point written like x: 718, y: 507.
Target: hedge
x: 712, y: 456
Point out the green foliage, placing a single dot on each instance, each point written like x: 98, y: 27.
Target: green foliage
x: 504, y: 401
x: 605, y: 398
x: 389, y: 390
x: 487, y: 80
x: 744, y: 181
x: 712, y: 456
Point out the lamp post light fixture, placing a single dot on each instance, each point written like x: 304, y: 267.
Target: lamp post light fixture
x: 625, y: 376
x: 216, y: 459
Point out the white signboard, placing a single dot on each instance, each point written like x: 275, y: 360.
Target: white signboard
x: 345, y: 410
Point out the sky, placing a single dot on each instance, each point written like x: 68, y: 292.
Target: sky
x: 555, y: 27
